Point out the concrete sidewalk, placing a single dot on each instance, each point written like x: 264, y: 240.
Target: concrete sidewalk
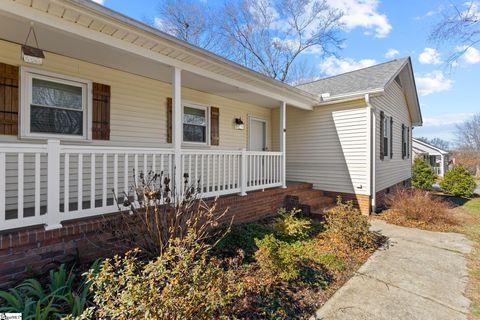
x: 417, y: 275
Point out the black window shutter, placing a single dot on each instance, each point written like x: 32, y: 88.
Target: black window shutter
x: 408, y: 142
x: 101, y: 112
x: 404, y: 146
x: 382, y: 119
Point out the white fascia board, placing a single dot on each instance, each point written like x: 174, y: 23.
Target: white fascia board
x: 280, y: 92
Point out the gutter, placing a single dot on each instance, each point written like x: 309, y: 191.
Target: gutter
x: 326, y: 99
x: 371, y: 124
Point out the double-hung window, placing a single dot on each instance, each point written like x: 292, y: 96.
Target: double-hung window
x: 54, y: 106
x: 386, y: 135
x: 195, y: 124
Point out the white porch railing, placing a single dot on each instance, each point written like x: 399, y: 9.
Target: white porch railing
x: 50, y: 183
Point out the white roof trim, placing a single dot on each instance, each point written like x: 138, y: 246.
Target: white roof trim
x: 427, y: 145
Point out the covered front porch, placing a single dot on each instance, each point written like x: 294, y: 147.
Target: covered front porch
x: 153, y: 83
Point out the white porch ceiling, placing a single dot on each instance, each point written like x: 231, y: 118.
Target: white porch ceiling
x: 155, y: 61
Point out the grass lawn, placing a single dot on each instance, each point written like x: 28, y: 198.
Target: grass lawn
x: 469, y: 214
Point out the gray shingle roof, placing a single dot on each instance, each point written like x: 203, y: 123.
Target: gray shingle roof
x: 374, y: 77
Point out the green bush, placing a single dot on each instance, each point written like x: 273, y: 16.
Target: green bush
x: 423, y: 176
x: 458, y: 182
x: 242, y: 237
x: 65, y: 294
x: 182, y: 283
x: 346, y: 225
x: 289, y: 225
x: 297, y: 260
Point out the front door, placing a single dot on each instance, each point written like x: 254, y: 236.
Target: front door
x: 257, y: 135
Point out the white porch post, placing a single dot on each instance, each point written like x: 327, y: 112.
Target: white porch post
x: 177, y: 127
x: 283, y: 129
x: 442, y: 165
x: 52, y: 218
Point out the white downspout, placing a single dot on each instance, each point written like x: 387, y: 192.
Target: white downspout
x: 371, y: 143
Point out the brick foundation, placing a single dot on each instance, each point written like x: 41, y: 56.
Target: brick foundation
x: 35, y: 250
x: 360, y: 201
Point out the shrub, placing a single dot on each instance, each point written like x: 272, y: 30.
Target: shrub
x: 242, y: 237
x: 346, y: 225
x: 458, y: 182
x: 157, y: 215
x: 418, y: 207
x: 182, y: 283
x: 297, y: 260
x: 423, y: 176
x: 289, y: 225
x: 64, y: 294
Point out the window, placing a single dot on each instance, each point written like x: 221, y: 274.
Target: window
x: 54, y: 106
x: 195, y: 124
x: 386, y: 135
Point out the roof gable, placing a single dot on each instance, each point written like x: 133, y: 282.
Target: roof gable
x: 372, y: 79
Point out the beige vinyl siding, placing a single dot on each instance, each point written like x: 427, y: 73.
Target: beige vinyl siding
x: 328, y: 147
x: 395, y: 170
x: 137, y: 118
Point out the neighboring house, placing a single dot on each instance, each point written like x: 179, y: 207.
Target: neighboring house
x: 437, y: 158
x: 114, y: 95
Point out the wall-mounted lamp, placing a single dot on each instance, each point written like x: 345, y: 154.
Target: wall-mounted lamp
x: 31, y: 54
x: 239, y: 125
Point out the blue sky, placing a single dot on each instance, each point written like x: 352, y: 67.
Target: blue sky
x: 378, y: 31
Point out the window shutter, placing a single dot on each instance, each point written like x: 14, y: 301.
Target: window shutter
x: 101, y: 112
x: 214, y: 126
x: 382, y: 119
x: 391, y: 137
x: 408, y: 142
x: 8, y: 99
x: 404, y: 151
x: 169, y: 120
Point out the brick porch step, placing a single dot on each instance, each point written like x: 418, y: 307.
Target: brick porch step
x: 310, y: 201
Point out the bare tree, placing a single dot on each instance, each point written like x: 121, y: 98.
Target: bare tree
x: 458, y: 28
x: 191, y: 21
x: 468, y: 134
x: 468, y: 139
x: 436, y: 142
x: 268, y: 36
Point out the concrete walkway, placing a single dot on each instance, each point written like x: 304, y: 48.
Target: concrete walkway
x: 417, y: 275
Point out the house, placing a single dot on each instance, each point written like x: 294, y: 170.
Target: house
x: 111, y: 95
x: 437, y: 158
x: 356, y: 142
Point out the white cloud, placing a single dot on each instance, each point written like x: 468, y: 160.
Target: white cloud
x: 470, y: 55
x: 363, y: 14
x: 99, y: 1
x: 433, y: 82
x: 332, y: 66
x: 430, y: 56
x: 446, y: 119
x: 391, y: 53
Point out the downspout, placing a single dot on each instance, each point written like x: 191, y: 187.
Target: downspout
x: 371, y: 124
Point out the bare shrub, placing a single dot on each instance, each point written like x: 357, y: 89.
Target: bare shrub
x: 418, y: 208
x: 346, y: 225
x: 151, y: 215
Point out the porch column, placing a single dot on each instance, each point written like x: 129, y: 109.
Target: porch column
x: 283, y: 129
x: 442, y: 165
x: 177, y: 128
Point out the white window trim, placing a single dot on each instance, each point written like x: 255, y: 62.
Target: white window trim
x: 26, y: 77
x: 206, y: 108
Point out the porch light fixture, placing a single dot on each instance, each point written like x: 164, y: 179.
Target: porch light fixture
x: 33, y: 55
x: 239, y: 125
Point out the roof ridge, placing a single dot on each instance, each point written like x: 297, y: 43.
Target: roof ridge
x: 341, y: 74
